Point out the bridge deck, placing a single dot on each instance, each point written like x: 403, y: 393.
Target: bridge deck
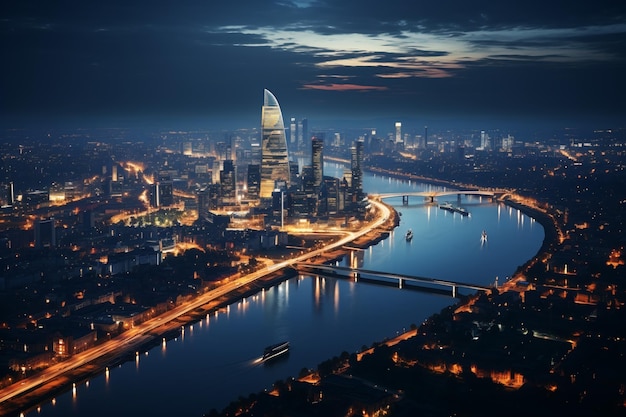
x: 443, y: 282
x: 484, y: 193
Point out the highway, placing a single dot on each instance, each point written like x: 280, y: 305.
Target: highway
x: 132, y: 339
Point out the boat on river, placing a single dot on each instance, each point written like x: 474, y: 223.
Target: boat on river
x: 409, y: 235
x: 275, y: 350
x: 452, y: 209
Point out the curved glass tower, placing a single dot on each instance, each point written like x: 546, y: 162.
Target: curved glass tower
x: 274, y: 157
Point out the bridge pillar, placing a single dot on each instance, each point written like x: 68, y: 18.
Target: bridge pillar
x: 431, y: 199
x: 454, y: 291
x: 400, y: 282
x: 405, y: 200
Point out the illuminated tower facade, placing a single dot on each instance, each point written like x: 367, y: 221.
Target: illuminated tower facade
x: 274, y: 156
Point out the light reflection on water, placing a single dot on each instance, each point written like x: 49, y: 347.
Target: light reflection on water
x: 217, y: 360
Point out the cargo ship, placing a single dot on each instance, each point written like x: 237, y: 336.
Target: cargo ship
x: 275, y: 350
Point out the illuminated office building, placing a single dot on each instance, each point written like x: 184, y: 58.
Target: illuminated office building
x: 274, y: 157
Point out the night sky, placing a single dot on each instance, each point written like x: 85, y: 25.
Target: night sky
x: 210, y: 60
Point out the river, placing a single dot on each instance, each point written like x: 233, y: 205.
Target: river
x: 216, y: 360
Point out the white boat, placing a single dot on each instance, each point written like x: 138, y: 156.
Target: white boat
x: 409, y: 235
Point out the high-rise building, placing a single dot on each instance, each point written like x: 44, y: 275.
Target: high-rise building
x: 215, y: 171
x: 167, y: 193
x: 398, y: 132
x: 88, y: 219
x: 45, y: 233
x: 484, y: 140
x: 317, y: 160
x: 303, y: 133
x: 208, y: 199
x: 356, y: 165
x: 293, y: 132
x: 274, y: 156
x: 507, y: 143
x: 308, y: 180
x: 254, y: 181
x: 255, y: 153
x: 294, y: 173
x: 228, y: 181
x: 162, y: 194
x: 332, y: 200
x: 155, y: 195
x: 11, y: 193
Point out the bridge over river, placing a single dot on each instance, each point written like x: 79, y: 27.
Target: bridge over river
x: 391, y: 279
x: 432, y: 195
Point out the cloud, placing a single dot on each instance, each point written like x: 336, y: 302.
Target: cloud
x: 344, y: 87
x: 424, y: 73
x: 215, y: 56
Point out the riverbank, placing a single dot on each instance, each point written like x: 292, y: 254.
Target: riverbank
x: 165, y: 332
x: 171, y: 330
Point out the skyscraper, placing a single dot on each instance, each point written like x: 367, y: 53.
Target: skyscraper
x: 162, y: 194
x: 254, y: 181
x: 293, y: 132
x: 11, y: 193
x: 274, y: 156
x: 228, y: 181
x: 485, y: 141
x: 317, y: 160
x: 45, y: 233
x: 398, y: 132
x: 356, y: 165
x: 303, y: 133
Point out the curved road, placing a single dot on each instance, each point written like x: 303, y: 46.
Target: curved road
x: 135, y: 337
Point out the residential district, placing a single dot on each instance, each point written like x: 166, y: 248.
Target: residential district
x: 104, y: 229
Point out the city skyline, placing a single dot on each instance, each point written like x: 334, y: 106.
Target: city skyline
x: 104, y: 255
x: 467, y: 62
